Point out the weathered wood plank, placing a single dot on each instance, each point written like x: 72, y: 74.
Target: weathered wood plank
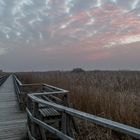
x: 12, y: 120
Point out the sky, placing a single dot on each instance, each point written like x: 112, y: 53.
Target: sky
x: 43, y: 35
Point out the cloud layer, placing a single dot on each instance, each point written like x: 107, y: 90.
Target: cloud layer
x: 67, y: 33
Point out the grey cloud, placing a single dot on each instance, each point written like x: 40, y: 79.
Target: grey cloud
x: 29, y: 26
x: 27, y: 16
x: 80, y: 5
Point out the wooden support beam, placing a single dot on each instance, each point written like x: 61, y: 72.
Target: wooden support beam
x: 35, y: 114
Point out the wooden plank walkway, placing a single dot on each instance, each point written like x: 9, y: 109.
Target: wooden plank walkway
x: 12, y: 120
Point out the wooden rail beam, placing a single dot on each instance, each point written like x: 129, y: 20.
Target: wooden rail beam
x: 135, y: 132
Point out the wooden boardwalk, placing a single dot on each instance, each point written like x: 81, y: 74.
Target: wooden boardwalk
x: 12, y: 120
x: 41, y: 108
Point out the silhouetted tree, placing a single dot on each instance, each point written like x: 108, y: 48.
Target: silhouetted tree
x: 78, y: 70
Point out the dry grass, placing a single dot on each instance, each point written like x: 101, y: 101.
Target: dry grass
x: 113, y: 95
x: 1, y: 74
x: 4, y: 73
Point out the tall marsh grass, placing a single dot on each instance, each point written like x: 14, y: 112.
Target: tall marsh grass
x: 110, y: 94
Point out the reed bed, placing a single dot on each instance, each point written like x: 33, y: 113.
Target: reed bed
x: 111, y: 94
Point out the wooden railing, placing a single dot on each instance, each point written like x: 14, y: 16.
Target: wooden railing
x: 17, y: 86
x: 55, y: 98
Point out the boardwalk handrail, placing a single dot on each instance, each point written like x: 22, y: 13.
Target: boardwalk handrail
x: 19, y: 89
x: 35, y: 99
x: 135, y: 132
x: 17, y: 86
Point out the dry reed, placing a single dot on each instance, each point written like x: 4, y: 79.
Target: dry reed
x: 110, y: 94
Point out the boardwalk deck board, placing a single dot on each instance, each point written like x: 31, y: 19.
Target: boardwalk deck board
x: 12, y: 120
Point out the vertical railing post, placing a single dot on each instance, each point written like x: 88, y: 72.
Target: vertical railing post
x: 28, y: 118
x: 35, y: 113
x: 42, y: 88
x: 42, y: 130
x: 33, y: 108
x: 66, y: 118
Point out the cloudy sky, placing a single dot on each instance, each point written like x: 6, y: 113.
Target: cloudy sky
x: 63, y: 34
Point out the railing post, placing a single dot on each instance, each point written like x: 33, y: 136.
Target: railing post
x: 42, y: 88
x: 28, y: 118
x: 64, y: 126
x: 42, y: 130
x: 66, y: 119
x: 35, y: 113
x: 33, y: 108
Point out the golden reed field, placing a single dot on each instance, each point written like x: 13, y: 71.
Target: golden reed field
x: 111, y: 94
